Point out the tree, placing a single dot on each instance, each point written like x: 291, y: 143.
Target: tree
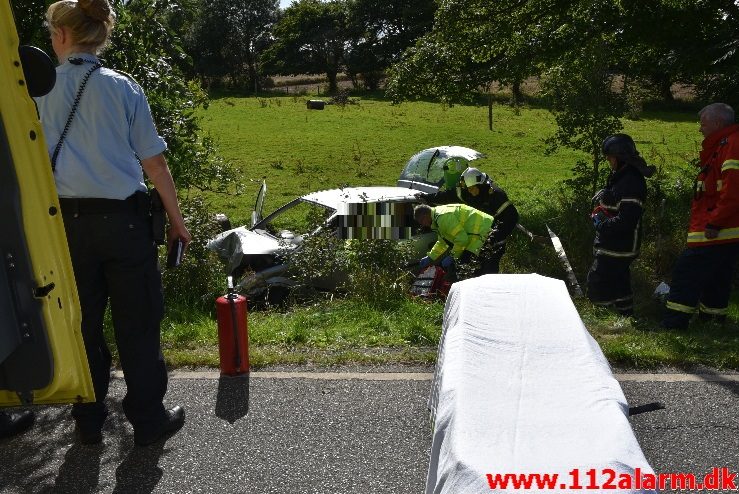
x: 504, y: 41
x: 720, y: 82
x: 227, y: 38
x: 379, y: 32
x: 309, y: 39
x: 586, y: 110
x: 144, y: 46
x: 29, y: 18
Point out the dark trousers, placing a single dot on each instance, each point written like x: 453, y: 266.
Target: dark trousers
x: 489, y: 258
x: 701, y: 282
x: 114, y: 257
x: 609, y: 283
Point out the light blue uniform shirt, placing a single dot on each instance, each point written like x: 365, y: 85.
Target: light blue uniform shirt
x: 112, y: 126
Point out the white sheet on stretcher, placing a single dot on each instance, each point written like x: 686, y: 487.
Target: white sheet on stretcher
x: 521, y: 387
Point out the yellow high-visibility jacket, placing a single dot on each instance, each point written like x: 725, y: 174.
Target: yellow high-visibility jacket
x: 460, y: 227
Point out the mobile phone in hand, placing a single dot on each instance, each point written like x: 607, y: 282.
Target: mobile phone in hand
x: 174, y: 258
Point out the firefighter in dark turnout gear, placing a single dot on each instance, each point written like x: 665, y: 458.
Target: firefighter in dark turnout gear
x: 616, y: 217
x: 702, y: 276
x: 476, y: 189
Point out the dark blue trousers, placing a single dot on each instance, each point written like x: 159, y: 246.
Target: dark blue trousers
x: 701, y: 282
x: 609, y: 283
x: 115, y: 258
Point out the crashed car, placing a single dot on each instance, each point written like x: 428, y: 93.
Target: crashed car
x: 259, y: 256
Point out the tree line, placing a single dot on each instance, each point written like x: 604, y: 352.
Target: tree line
x: 448, y: 49
x: 451, y: 48
x: 597, y: 60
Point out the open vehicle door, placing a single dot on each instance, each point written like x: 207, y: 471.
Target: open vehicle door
x: 432, y: 168
x: 42, y: 355
x: 256, y: 215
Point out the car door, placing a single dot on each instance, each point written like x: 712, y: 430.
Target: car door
x: 42, y: 355
x: 256, y: 214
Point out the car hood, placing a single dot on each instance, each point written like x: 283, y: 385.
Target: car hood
x: 231, y: 246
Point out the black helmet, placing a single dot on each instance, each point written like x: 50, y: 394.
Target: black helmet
x: 619, y: 145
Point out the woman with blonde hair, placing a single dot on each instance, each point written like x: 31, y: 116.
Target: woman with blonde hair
x: 102, y: 140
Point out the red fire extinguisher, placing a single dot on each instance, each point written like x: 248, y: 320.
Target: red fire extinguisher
x: 233, y: 334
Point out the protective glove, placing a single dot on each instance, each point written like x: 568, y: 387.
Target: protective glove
x: 424, y: 263
x: 447, y: 261
x: 422, y: 198
x: 598, y: 218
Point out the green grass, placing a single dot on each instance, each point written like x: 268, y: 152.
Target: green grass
x: 329, y: 332
x: 640, y: 343
x: 300, y: 151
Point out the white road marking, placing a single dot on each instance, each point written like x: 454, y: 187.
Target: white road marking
x: 427, y: 376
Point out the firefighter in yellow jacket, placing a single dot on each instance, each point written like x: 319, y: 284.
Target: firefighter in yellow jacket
x: 461, y: 230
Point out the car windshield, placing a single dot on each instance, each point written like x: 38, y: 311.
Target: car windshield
x: 297, y: 217
x: 424, y: 167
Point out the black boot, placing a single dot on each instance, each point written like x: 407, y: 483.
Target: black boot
x: 12, y: 423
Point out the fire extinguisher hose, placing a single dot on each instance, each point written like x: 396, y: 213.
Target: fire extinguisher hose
x: 234, y: 318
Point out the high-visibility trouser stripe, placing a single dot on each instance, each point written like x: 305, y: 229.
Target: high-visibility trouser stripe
x: 712, y: 311
x: 501, y: 208
x: 686, y: 309
x: 730, y: 165
x: 723, y: 234
x: 612, y: 253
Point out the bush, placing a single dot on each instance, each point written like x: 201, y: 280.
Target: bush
x: 371, y: 271
x: 199, y: 279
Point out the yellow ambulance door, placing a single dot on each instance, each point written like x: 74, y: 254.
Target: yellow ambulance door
x: 42, y: 355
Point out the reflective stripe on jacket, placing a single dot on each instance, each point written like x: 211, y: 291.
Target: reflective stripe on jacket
x: 716, y: 196
x: 623, y: 198
x: 460, y: 227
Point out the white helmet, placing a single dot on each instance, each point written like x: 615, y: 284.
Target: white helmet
x: 473, y: 176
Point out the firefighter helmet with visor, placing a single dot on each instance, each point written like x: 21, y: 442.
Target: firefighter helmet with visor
x: 472, y: 176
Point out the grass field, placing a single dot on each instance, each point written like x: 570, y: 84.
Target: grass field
x: 300, y: 151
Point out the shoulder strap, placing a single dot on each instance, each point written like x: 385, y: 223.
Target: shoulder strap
x: 76, y: 103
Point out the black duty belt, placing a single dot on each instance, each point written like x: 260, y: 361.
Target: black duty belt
x: 75, y: 207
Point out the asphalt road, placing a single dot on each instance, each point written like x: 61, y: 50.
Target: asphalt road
x: 287, y: 433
